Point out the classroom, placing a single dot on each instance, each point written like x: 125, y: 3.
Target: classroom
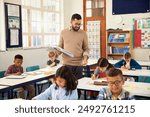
x: 75, y: 49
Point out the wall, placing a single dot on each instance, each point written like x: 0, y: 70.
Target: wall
x: 2, y: 26
x: 126, y: 19
x: 76, y: 6
x: 119, y: 20
x: 31, y: 56
x: 71, y: 7
x: 39, y: 56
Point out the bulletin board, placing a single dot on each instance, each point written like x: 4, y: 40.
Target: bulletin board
x: 130, y: 6
x: 13, y: 25
x: 142, y: 33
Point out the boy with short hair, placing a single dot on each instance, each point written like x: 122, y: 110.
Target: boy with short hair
x: 17, y: 69
x: 52, y: 59
x: 127, y: 63
x: 115, y: 90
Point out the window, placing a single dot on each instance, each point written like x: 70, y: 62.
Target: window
x: 41, y: 22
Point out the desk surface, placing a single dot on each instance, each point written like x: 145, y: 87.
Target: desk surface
x: 4, y: 88
x: 142, y: 63
x: 38, y: 76
x: 138, y: 72
x: 141, y: 72
x: 135, y: 88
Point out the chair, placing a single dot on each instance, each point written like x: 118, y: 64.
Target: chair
x: 2, y: 74
x: 144, y: 79
x: 38, y: 84
x: 87, y: 71
x: 32, y: 68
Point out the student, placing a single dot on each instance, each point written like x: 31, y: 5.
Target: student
x: 127, y: 63
x: 52, y: 59
x: 17, y: 69
x: 63, y: 88
x: 102, y: 68
x: 115, y: 90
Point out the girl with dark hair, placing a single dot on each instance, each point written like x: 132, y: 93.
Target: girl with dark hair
x: 63, y: 88
x: 102, y: 68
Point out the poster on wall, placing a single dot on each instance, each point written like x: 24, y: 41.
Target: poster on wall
x: 145, y: 38
x: 13, y: 22
x: 142, y: 33
x: 13, y: 25
x: 93, y: 31
x: 14, y: 37
x: 13, y: 16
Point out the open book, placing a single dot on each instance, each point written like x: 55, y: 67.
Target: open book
x: 63, y: 51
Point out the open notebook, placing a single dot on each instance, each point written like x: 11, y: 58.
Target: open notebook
x: 15, y: 77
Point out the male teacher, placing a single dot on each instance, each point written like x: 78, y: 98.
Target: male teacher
x: 75, y: 40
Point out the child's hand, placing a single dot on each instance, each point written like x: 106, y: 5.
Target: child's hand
x: 18, y: 73
x: 53, y: 64
x: 93, y: 77
x: 123, y: 67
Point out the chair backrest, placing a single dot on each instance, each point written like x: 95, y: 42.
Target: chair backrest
x: 32, y: 68
x: 2, y: 74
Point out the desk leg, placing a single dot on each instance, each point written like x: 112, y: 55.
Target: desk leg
x: 11, y: 94
x: 2, y: 95
x: 85, y: 95
x: 136, y: 78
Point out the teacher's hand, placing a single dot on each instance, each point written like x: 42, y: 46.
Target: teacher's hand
x: 85, y: 62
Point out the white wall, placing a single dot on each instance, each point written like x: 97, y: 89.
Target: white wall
x: 71, y: 7
x: 126, y: 19
x: 39, y: 56
x: 31, y: 57
x: 112, y: 21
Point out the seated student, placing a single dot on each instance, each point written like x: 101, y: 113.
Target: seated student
x: 52, y: 59
x: 115, y: 90
x: 17, y: 69
x: 63, y: 88
x: 127, y: 63
x: 102, y: 68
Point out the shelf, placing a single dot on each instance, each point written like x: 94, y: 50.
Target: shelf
x: 115, y: 54
x: 120, y: 47
x: 118, y: 42
x: 117, y: 31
